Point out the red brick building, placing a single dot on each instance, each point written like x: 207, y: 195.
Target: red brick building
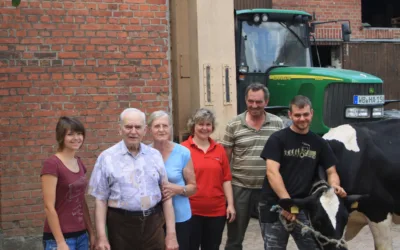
x: 375, y: 40
x: 92, y: 59
x: 89, y: 59
x: 356, y: 11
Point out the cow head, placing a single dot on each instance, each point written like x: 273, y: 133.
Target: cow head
x: 327, y: 212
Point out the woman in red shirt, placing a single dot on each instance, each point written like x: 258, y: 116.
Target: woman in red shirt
x: 63, y: 185
x: 212, y: 204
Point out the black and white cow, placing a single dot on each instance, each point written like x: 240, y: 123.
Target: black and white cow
x: 328, y: 213
x: 369, y: 169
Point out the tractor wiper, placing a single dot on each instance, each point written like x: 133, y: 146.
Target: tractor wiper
x: 294, y: 33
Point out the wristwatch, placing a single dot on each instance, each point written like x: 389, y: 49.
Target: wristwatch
x: 184, y: 190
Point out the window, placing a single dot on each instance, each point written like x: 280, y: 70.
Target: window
x: 329, y: 56
x: 382, y: 14
x: 271, y: 43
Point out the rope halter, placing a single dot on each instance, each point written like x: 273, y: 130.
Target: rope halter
x: 319, y: 237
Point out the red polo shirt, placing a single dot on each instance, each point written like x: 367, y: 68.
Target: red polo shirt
x: 212, y: 170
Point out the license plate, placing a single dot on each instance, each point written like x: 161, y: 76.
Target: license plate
x: 368, y: 99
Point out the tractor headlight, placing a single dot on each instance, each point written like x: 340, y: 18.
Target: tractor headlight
x: 264, y: 17
x: 256, y: 18
x: 357, y: 112
x: 377, y: 112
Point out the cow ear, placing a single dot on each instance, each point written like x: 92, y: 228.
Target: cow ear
x: 286, y: 204
x: 351, y: 201
x: 294, y: 204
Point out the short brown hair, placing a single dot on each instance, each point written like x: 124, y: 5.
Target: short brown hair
x: 200, y: 115
x: 300, y: 101
x: 64, y: 124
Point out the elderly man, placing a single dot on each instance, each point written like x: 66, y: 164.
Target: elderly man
x: 126, y: 182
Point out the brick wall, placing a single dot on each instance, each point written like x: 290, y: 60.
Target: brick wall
x: 333, y: 10
x: 89, y: 59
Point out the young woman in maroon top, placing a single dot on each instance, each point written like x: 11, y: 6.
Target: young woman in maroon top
x: 67, y: 225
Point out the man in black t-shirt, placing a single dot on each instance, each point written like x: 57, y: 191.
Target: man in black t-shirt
x: 292, y: 157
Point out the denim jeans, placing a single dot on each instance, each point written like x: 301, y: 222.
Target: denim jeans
x: 276, y: 236
x: 75, y: 243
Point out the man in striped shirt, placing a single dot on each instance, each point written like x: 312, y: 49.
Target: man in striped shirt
x: 244, y: 140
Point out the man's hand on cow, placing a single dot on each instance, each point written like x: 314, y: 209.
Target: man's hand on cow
x: 288, y: 216
x: 339, y: 191
x: 170, y: 242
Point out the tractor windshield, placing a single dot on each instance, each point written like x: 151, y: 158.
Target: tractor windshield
x: 267, y: 44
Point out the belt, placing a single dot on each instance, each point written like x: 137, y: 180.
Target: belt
x: 144, y: 213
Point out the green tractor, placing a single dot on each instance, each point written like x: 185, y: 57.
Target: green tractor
x: 273, y: 47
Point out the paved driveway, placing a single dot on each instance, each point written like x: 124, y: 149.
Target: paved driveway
x: 363, y: 240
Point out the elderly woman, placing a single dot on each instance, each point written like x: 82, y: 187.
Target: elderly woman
x: 212, y: 205
x: 179, y: 166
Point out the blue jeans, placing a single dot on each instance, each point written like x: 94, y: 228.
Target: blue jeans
x: 276, y: 237
x: 76, y: 243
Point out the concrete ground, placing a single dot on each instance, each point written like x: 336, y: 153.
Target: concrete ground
x: 363, y: 241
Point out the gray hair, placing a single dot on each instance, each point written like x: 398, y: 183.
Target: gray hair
x: 200, y: 115
x: 256, y: 86
x: 132, y: 110
x: 158, y: 114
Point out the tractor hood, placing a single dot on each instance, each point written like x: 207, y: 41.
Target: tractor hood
x: 332, y: 74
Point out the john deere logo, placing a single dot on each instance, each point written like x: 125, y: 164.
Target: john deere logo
x: 371, y: 91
